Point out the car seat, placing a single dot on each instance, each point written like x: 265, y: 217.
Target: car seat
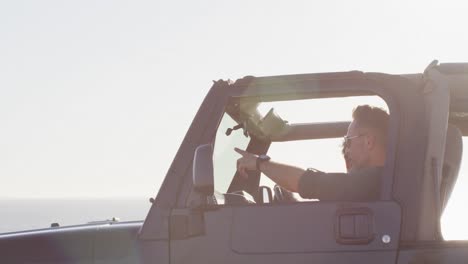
x: 452, y: 161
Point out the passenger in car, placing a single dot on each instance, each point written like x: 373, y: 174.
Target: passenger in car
x: 364, y: 151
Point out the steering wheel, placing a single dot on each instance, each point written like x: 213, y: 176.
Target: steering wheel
x: 281, y: 195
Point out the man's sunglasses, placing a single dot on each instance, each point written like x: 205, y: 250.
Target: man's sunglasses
x: 347, y: 140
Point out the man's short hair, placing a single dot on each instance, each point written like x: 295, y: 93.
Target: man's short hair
x: 374, y: 118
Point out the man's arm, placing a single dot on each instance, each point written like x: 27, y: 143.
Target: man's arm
x: 362, y: 185
x: 286, y: 176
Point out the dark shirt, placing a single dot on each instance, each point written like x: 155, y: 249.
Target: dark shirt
x: 360, y: 185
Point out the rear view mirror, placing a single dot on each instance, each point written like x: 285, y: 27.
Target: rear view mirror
x: 203, y: 175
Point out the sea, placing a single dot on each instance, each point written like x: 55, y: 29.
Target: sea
x: 28, y: 214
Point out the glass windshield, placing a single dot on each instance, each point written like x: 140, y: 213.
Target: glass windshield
x: 224, y: 158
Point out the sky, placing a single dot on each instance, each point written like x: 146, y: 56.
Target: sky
x: 96, y: 96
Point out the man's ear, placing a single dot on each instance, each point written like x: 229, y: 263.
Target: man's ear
x: 371, y: 140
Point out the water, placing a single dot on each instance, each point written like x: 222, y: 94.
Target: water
x: 26, y: 214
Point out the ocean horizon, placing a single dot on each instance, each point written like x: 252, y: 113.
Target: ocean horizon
x: 28, y: 214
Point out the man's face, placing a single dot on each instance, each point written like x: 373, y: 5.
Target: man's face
x: 357, y: 151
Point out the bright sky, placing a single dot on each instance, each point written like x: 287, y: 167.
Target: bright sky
x: 96, y: 96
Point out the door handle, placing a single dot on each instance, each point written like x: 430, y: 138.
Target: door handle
x: 354, y: 226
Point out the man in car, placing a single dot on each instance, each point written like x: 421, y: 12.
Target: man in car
x: 364, y: 152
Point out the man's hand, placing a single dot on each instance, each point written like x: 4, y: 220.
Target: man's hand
x: 286, y: 176
x: 248, y: 161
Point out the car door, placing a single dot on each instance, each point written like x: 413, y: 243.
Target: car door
x: 308, y: 232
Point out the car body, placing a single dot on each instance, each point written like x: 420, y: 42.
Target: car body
x: 190, y: 221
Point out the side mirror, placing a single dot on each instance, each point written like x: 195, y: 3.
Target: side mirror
x: 203, y: 174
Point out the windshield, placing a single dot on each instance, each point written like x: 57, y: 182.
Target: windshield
x: 224, y: 158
